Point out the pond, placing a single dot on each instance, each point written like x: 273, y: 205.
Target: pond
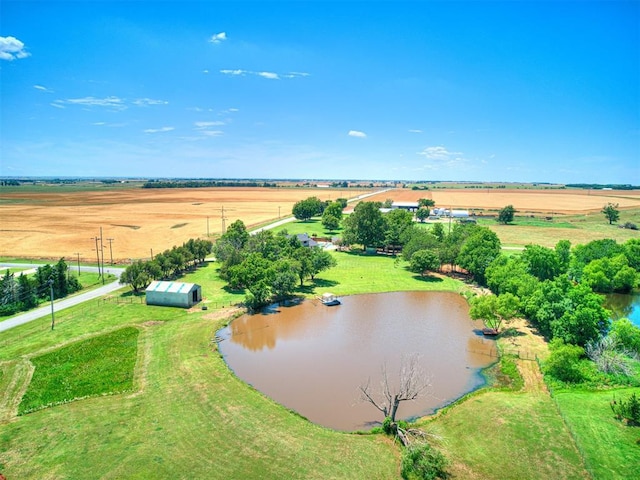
x: 624, y: 306
x: 312, y: 358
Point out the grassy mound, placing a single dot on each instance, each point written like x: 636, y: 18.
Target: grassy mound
x: 97, y: 366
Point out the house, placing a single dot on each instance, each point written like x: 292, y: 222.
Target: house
x: 173, y: 294
x: 306, y: 240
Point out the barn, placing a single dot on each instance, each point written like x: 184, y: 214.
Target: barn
x: 173, y: 294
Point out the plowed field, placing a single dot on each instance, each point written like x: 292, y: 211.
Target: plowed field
x: 54, y: 225
x: 62, y: 224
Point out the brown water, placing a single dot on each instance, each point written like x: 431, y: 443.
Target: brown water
x: 312, y: 358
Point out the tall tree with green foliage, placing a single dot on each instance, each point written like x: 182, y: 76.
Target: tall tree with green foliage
x: 542, y: 262
x: 506, y: 215
x: 611, y: 212
x: 365, y: 226
x: 478, y: 251
x: 423, y: 261
x: 494, y: 310
x: 426, y: 203
x: 305, y: 209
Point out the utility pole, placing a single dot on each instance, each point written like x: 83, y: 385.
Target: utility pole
x: 51, y: 291
x: 278, y: 211
x: 77, y: 254
x: 207, y: 226
x: 102, y: 254
x: 110, y: 240
x: 97, y: 254
x: 223, y: 219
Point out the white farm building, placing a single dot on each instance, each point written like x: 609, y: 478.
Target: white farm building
x: 173, y: 294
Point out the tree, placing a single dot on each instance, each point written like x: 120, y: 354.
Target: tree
x: 610, y: 274
x: 424, y: 260
x: 320, y: 260
x: 136, y: 276
x: 494, y: 310
x: 611, y: 212
x: 330, y: 222
x: 422, y: 214
x: 365, y: 225
x: 305, y: 209
x: 478, y: 251
x: 426, y: 203
x: 413, y: 382
x: 438, y: 231
x: 506, y: 214
x: 416, y: 238
x: 397, y: 221
x: 542, y: 262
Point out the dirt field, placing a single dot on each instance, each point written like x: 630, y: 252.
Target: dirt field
x: 54, y: 225
x: 525, y: 201
x: 60, y: 224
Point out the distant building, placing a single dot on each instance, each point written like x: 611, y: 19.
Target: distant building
x: 305, y: 240
x: 173, y: 294
x: 410, y: 206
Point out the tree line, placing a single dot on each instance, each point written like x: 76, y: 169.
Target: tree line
x: 267, y: 266
x: 204, y: 183
x: 166, y: 265
x: 22, y: 293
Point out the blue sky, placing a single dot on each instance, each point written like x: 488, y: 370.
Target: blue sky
x: 480, y: 91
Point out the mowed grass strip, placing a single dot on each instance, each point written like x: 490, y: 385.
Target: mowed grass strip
x: 610, y: 448
x: 96, y: 366
x: 508, y: 435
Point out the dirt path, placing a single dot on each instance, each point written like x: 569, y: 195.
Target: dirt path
x: 529, y: 345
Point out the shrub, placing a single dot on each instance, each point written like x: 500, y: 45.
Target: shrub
x: 627, y: 410
x: 420, y: 461
x: 610, y: 356
x: 564, y: 362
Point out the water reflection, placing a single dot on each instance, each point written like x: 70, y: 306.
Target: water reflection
x: 312, y: 358
x: 624, y: 306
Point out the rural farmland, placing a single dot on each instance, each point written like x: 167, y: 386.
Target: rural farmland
x: 139, y: 221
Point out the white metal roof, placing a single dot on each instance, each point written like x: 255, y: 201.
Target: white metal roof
x: 170, y: 287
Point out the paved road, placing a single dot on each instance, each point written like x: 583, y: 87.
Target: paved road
x: 64, y: 303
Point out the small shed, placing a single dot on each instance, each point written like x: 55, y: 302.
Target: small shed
x: 173, y: 294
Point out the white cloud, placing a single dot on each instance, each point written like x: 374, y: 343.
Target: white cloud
x: 112, y: 102
x: 208, y: 124
x: 233, y: 110
x: 108, y: 102
x: 213, y: 133
x: 218, y: 37
x: 159, y: 130
x: 356, y: 133
x: 415, y: 130
x: 42, y: 89
x: 269, y: 75
x: 143, y: 102
x: 234, y: 72
x: 439, y: 153
x: 205, y: 71
x: 11, y: 49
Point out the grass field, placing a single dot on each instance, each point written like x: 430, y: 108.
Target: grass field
x: 96, y: 366
x: 610, y: 448
x: 188, y: 416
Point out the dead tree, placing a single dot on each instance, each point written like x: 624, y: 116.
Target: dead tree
x: 413, y: 383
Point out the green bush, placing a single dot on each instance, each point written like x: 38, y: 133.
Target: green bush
x: 420, y: 461
x: 627, y: 410
x: 564, y: 362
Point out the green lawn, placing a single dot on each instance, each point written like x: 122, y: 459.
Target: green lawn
x: 610, y: 448
x: 508, y: 435
x: 310, y: 227
x: 188, y: 416
x: 100, y: 365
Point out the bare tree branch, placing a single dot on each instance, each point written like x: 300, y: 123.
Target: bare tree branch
x: 413, y: 383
